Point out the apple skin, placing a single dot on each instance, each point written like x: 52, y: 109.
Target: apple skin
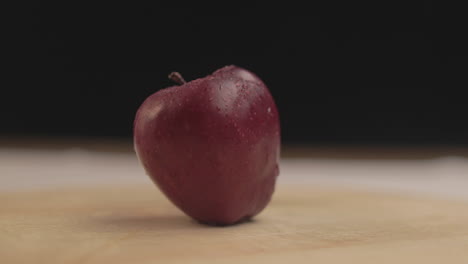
x: 212, y: 145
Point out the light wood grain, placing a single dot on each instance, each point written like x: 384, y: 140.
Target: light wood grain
x: 303, y: 224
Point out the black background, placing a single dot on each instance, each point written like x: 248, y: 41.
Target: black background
x: 381, y: 73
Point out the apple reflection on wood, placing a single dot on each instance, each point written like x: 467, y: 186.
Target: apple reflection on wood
x: 212, y: 145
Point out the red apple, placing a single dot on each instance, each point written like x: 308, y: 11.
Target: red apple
x: 212, y: 145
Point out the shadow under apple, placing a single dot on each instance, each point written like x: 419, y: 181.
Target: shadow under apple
x: 154, y: 223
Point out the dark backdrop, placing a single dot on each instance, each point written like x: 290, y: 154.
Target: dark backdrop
x: 383, y: 73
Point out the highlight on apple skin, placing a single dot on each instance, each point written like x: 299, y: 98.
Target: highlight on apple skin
x: 212, y: 145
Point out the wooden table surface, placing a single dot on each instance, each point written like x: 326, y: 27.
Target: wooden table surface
x: 79, y: 206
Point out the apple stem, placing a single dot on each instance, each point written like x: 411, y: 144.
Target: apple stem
x: 177, y: 78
